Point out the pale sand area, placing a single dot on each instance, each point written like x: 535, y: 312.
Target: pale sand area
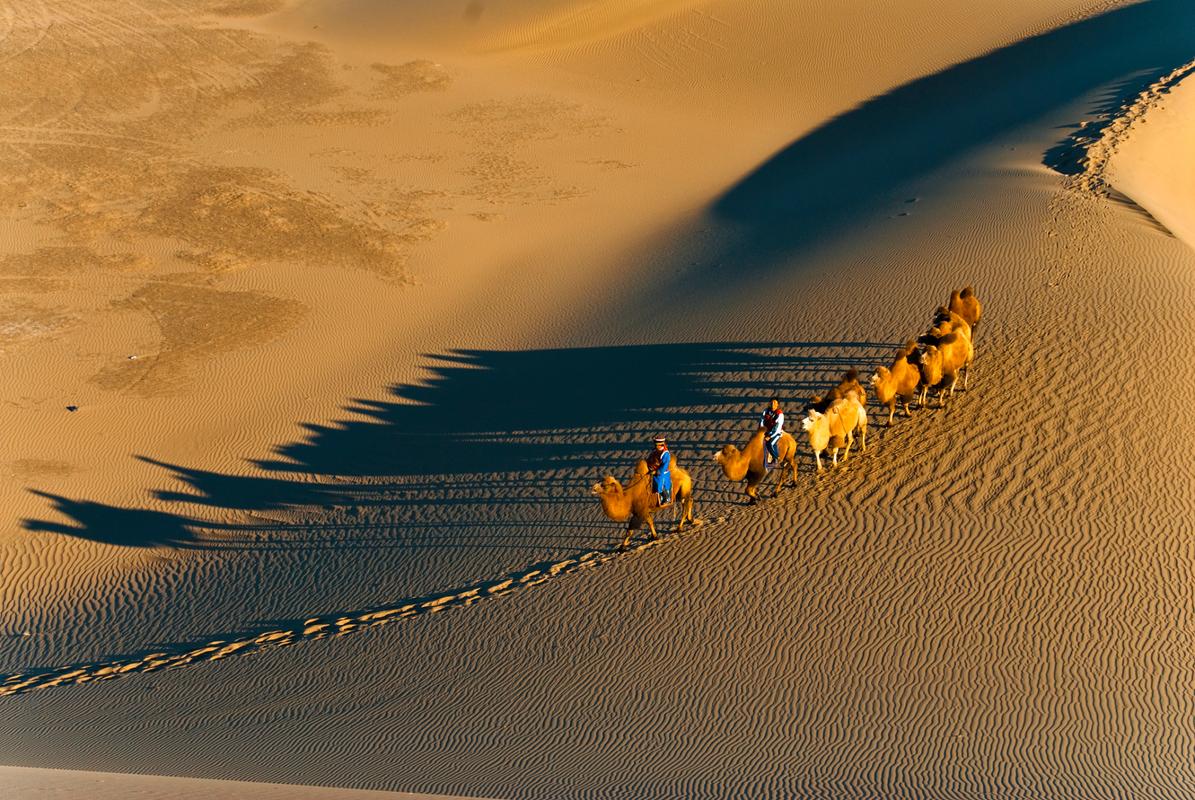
x: 1154, y: 165
x: 554, y: 235
x: 21, y: 783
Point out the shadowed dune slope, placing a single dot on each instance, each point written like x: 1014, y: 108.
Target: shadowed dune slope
x: 841, y: 175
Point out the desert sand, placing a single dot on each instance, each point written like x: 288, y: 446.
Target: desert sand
x: 22, y: 782
x: 319, y: 319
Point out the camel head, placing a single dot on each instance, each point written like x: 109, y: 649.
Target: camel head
x: 811, y: 420
x: 608, y: 485
x: 881, y: 374
x: 931, y: 364
x: 727, y: 454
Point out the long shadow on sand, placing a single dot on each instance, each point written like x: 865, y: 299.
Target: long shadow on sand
x: 842, y: 172
x: 486, y: 429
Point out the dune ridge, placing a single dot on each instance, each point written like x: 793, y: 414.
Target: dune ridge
x: 1153, y: 167
x: 1098, y: 153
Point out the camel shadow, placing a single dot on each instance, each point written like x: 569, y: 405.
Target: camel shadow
x: 513, y: 411
x: 525, y: 431
x: 112, y: 525
x: 481, y: 468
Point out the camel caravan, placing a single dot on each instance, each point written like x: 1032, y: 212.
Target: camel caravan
x: 833, y: 422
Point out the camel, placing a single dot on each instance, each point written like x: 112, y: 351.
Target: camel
x: 637, y: 503
x: 836, y: 428
x: 898, y: 381
x: 850, y: 382
x: 967, y: 306
x: 929, y: 363
x: 957, y: 354
x: 941, y: 363
x: 748, y: 463
x: 951, y: 322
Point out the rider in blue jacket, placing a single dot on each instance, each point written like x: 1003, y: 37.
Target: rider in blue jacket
x: 658, y: 463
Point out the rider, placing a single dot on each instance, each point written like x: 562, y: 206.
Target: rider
x: 658, y: 463
x: 772, y: 422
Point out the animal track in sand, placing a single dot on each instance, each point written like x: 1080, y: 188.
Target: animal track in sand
x: 1092, y: 146
x: 311, y: 628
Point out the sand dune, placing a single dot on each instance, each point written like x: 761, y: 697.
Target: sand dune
x: 354, y: 301
x: 21, y: 783
x: 1152, y: 163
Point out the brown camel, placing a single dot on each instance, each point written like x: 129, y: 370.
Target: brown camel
x: 748, y: 463
x: 967, y: 306
x: 636, y: 504
x: 850, y: 382
x: 898, y: 382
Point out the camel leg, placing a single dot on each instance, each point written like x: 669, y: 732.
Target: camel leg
x: 778, y: 470
x: 684, y: 507
x: 626, y: 541
x: 892, y: 412
x: 834, y: 457
x: 779, y: 478
x: 817, y: 456
x: 863, y: 439
x: 651, y: 525
x: 791, y: 460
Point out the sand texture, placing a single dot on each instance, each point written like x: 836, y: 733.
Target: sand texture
x: 21, y: 783
x: 319, y: 320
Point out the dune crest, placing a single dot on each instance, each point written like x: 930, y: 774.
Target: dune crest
x: 1152, y: 158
